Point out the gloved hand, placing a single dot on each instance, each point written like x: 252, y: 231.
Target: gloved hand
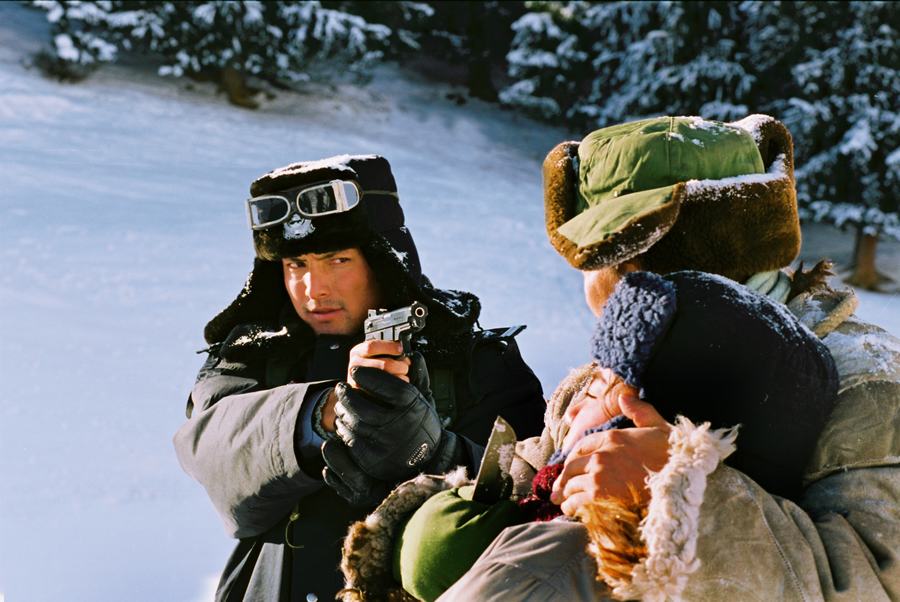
x: 348, y: 480
x: 390, y: 427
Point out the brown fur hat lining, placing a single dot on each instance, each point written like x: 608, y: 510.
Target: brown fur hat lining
x: 560, y: 183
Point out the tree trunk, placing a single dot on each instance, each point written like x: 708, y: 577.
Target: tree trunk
x: 864, y: 273
x: 235, y: 85
x: 480, y: 82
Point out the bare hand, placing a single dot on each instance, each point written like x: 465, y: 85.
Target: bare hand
x: 613, y: 463
x: 328, y: 415
x: 382, y: 355
x: 597, y: 405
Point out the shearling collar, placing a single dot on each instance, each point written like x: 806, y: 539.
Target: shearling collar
x: 649, y: 553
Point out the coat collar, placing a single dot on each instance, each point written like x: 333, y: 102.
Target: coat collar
x: 823, y: 310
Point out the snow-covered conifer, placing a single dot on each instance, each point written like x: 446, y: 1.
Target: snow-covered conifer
x: 273, y: 41
x: 598, y: 64
x: 842, y: 108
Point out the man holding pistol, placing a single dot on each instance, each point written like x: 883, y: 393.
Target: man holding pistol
x: 298, y: 426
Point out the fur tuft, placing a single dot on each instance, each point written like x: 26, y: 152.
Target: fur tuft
x: 614, y: 530
x: 368, y: 551
x: 812, y: 280
x: 656, y: 565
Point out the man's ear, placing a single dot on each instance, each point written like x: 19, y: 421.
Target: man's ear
x: 632, y: 265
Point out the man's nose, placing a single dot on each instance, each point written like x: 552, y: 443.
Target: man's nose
x: 317, y: 284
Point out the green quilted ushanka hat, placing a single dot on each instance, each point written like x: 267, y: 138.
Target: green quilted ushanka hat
x: 682, y: 192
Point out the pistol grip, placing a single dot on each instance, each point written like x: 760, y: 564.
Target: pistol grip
x: 406, y: 341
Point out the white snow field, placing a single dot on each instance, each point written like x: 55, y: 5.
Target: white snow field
x: 122, y: 231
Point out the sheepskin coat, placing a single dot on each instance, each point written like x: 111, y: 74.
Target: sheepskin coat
x: 711, y: 533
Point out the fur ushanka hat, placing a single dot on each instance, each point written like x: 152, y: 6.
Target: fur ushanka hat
x: 681, y: 192
x: 702, y: 346
x: 375, y: 226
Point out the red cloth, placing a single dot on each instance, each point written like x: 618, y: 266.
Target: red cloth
x: 537, y: 506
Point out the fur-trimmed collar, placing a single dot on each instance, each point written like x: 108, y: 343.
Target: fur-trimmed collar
x: 824, y: 310
x: 649, y: 554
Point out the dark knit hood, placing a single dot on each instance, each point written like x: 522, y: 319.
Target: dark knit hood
x: 704, y: 347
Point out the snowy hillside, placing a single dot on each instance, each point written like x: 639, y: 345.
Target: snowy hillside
x: 122, y: 231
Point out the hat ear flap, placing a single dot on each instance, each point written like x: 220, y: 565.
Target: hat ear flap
x: 737, y: 229
x: 560, y: 196
x: 775, y: 144
x: 627, y: 238
x: 261, y: 298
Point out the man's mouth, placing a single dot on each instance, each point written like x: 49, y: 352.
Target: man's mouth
x: 322, y: 313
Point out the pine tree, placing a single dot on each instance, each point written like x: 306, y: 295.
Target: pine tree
x: 226, y: 41
x: 80, y: 41
x: 829, y: 70
x: 469, y: 40
x: 598, y: 64
x: 844, y: 114
x: 545, y: 60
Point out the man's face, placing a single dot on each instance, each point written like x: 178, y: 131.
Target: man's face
x: 332, y: 291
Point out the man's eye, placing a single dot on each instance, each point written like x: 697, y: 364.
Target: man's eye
x: 340, y: 260
x: 296, y: 265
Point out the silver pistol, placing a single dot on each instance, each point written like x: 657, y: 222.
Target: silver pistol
x: 397, y: 325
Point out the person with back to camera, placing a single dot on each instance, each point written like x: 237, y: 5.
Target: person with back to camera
x: 664, y: 347
x: 683, y: 193
x: 296, y: 425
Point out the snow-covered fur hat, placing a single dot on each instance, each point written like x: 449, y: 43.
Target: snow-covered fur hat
x: 378, y: 213
x: 680, y: 192
x: 375, y: 226
x: 702, y: 346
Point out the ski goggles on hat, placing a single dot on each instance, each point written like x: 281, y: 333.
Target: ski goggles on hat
x: 316, y: 200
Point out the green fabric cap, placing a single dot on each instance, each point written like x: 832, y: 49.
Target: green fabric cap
x: 602, y: 221
x: 650, y: 157
x: 445, y: 537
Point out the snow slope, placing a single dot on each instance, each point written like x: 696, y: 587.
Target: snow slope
x: 122, y: 232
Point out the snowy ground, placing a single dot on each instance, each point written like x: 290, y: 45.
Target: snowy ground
x: 122, y: 231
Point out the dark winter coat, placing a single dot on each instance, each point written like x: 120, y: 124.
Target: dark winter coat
x: 239, y: 443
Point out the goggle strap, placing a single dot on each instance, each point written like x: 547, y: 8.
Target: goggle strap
x: 382, y: 192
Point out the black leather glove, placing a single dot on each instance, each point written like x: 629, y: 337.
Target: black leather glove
x: 390, y: 427
x: 347, y: 479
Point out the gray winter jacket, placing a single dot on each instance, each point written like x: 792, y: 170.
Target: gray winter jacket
x: 240, y: 444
